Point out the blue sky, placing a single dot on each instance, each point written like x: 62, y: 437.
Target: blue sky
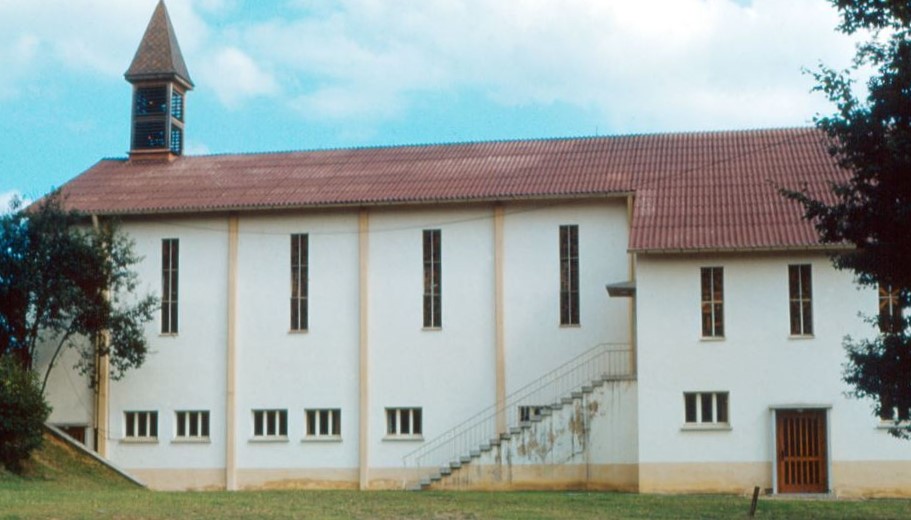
x: 309, y: 74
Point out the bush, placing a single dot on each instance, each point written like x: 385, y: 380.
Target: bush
x: 22, y: 414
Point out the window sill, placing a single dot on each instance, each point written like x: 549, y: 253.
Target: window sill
x: 706, y: 427
x: 191, y: 440
x: 269, y: 440
x: 891, y: 425
x: 167, y: 334
x: 404, y: 438
x: 298, y: 331
x: 139, y: 440
x: 570, y: 325
x: 711, y: 339
x: 431, y: 329
x: 322, y: 438
x: 801, y: 337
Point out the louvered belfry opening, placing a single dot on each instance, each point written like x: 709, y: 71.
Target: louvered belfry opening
x: 160, y: 84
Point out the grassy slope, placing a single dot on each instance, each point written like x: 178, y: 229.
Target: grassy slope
x: 60, y: 484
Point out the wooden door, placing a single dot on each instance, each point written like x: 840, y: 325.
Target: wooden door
x: 76, y: 432
x: 801, y: 443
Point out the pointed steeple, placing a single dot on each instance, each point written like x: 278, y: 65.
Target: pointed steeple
x: 160, y: 82
x: 158, y: 56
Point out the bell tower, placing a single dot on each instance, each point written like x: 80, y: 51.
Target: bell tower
x: 160, y: 83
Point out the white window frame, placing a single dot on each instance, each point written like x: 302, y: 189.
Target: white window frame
x: 277, y: 418
x: 711, y: 307
x: 530, y: 412
x: 316, y: 418
x: 803, y: 297
x: 713, y: 423
x: 394, y: 423
x: 170, y: 288
x: 188, y: 418
x: 132, y: 417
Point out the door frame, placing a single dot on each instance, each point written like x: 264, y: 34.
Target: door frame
x: 773, y: 431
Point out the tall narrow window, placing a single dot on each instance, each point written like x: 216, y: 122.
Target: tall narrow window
x: 890, y: 309
x: 712, y: 302
x: 801, y: 296
x: 169, y: 262
x: 569, y: 275
x: 299, y: 281
x: 433, y: 281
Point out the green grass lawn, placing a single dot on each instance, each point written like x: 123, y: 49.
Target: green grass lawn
x: 59, y: 484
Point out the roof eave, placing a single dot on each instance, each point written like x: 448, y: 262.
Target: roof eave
x: 741, y: 249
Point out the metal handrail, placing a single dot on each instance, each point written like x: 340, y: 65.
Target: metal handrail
x: 603, y: 361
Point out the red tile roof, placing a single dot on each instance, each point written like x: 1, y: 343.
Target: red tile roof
x: 693, y: 191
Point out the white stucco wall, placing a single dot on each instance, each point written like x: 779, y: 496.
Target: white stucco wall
x: 281, y: 369
x: 185, y: 371
x: 449, y: 372
x: 757, y: 362
x: 535, y: 340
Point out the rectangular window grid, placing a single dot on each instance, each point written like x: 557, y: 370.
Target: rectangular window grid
x: 890, y: 310
x: 890, y: 413
x: 569, y: 275
x: 177, y: 105
x: 403, y: 422
x: 712, y: 281
x: 706, y: 407
x: 192, y: 424
x: 324, y: 422
x: 529, y: 413
x: 300, y: 254
x: 801, y: 299
x: 433, y: 282
x: 169, y: 265
x: 140, y: 425
x: 270, y: 423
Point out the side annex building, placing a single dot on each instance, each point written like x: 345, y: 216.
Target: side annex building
x: 641, y: 313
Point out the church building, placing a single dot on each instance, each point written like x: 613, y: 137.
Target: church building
x: 642, y: 313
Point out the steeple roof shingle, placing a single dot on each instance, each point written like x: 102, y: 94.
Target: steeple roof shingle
x: 158, y: 55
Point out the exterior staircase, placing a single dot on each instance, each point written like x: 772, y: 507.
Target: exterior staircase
x: 527, y: 417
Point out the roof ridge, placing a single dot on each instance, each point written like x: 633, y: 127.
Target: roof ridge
x: 532, y: 140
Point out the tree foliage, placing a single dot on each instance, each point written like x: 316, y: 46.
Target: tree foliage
x: 22, y: 414
x: 65, y: 283
x: 871, y: 138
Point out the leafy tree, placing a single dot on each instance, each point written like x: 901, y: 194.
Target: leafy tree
x: 22, y: 414
x: 871, y: 210
x: 65, y: 283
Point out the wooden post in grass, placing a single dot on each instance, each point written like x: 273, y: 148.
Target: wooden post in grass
x: 754, y: 502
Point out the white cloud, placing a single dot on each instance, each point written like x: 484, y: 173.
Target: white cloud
x: 634, y: 65
x: 7, y: 198
x: 235, y: 77
x: 715, y: 63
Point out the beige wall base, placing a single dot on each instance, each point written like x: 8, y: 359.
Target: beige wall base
x: 181, y: 479
x: 315, y: 478
x: 612, y: 477
x: 704, y: 477
x: 871, y: 479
